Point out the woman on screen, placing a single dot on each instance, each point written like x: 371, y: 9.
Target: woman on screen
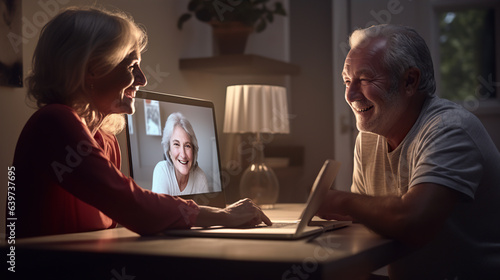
x: 85, y: 74
x: 179, y: 174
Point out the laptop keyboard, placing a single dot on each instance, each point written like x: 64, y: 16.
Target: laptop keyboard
x: 279, y: 225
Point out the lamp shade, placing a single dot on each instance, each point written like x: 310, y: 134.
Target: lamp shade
x: 256, y: 109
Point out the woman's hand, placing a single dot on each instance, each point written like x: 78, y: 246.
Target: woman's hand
x: 243, y: 213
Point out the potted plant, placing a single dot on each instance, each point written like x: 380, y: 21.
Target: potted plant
x: 232, y: 20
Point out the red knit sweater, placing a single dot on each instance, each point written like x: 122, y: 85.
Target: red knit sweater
x: 68, y: 181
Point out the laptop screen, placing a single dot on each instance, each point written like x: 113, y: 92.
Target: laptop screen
x: 173, y: 147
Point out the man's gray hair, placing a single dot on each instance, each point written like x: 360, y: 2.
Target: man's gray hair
x: 405, y: 49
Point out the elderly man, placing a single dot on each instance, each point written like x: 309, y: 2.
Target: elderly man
x: 426, y: 172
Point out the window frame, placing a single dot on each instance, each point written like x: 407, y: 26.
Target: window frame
x: 479, y: 107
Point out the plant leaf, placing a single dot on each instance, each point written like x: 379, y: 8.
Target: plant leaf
x: 270, y: 17
x: 261, y: 26
x: 278, y: 9
x: 203, y: 15
x: 192, y: 5
x: 182, y: 19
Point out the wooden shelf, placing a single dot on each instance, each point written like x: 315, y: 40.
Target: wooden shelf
x: 245, y: 64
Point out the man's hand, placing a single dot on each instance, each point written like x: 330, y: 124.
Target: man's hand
x: 414, y: 218
x: 330, y: 209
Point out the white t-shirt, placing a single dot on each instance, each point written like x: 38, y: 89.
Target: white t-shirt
x: 164, y: 180
x: 447, y: 146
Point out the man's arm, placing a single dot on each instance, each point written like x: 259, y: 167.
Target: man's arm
x: 414, y: 218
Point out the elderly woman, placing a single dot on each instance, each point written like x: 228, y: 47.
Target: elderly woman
x: 86, y: 71
x: 179, y: 174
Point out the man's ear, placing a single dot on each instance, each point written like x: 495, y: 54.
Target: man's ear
x: 411, y: 80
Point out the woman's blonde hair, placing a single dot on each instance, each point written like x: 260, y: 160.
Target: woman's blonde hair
x: 79, y: 41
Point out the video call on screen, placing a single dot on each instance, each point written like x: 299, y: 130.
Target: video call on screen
x: 146, y: 128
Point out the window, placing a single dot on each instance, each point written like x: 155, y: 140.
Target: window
x: 468, y: 67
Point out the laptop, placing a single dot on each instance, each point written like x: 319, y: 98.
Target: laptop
x: 293, y: 229
x: 146, y: 157
x: 145, y: 131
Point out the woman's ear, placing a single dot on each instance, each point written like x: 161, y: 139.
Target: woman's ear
x: 89, y: 79
x: 412, y: 80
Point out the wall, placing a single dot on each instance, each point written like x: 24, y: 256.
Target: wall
x: 312, y: 99
x: 14, y: 111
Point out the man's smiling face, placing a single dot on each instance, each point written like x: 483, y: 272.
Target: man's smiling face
x: 367, y: 91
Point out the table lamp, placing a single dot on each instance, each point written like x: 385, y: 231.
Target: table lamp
x: 257, y: 109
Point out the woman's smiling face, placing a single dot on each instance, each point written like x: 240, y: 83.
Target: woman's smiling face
x: 181, y: 151
x: 114, y: 93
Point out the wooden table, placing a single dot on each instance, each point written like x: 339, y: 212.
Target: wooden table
x: 121, y: 254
